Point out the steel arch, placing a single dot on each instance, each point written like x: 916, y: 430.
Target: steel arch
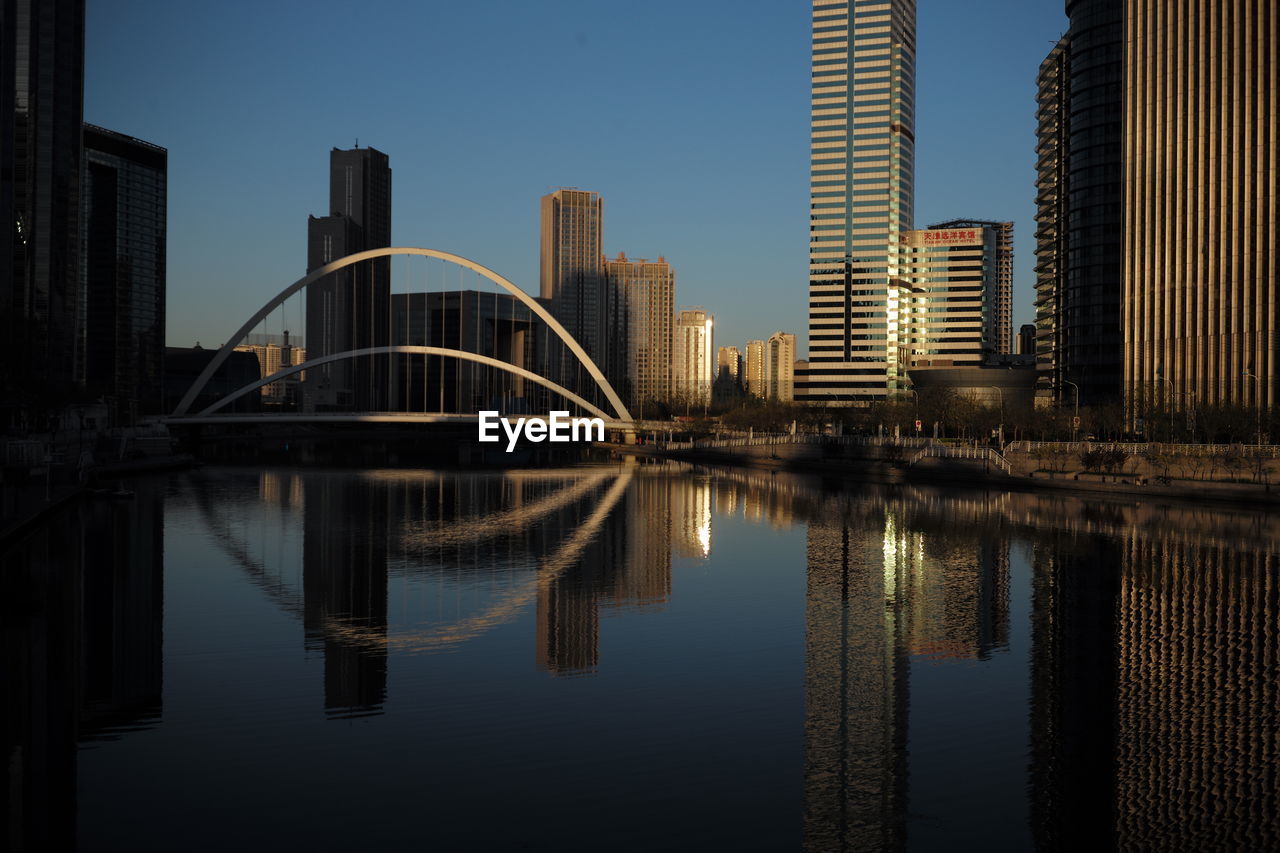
x: 532, y: 304
x: 461, y: 354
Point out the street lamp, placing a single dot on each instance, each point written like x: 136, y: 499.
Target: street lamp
x: 1076, y: 420
x: 1160, y: 378
x: 1257, y: 404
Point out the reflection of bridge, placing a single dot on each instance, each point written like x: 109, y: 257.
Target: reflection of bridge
x: 620, y: 417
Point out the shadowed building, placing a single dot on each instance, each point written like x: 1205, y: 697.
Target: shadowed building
x: 41, y: 110
x: 351, y: 308
x: 124, y: 196
x: 647, y: 291
x: 496, y: 325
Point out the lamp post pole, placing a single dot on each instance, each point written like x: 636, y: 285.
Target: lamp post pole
x: 1075, y: 420
x: 1000, y: 391
x: 1257, y: 405
x: 1160, y: 378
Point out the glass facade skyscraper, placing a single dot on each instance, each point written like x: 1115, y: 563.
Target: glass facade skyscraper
x: 861, y: 194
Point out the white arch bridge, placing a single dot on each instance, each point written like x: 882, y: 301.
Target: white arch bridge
x: 618, y: 418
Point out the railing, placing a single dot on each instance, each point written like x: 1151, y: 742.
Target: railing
x: 1139, y: 448
x: 986, y: 454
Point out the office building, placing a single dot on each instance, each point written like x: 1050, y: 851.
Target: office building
x: 1200, y: 202
x: 41, y: 110
x: 120, y: 347
x: 1078, y: 218
x: 693, y: 367
x: 351, y: 308
x: 646, y: 291
x: 861, y: 194
x: 951, y: 311
x: 780, y: 367
x: 753, y: 369
x: 496, y: 325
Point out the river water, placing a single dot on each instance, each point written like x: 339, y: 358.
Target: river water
x: 639, y: 657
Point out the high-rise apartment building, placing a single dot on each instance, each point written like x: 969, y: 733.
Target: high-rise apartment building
x: 693, y: 366
x: 351, y: 308
x: 729, y: 364
x: 120, y: 347
x: 573, y: 280
x: 861, y: 194
x: 780, y: 367
x: 753, y: 368
x: 646, y: 292
x: 41, y: 110
x: 1200, y: 200
x: 1079, y: 222
x: 952, y: 316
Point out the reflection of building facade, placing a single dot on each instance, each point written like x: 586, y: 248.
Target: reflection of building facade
x: 856, y: 688
x: 958, y: 601
x: 344, y: 588
x: 82, y: 658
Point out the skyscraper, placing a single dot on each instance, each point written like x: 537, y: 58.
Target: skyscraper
x: 122, y: 317
x: 572, y: 278
x: 693, y: 366
x: 1200, y: 201
x: 646, y: 291
x: 861, y: 193
x: 41, y: 110
x: 351, y: 308
x: 1079, y: 202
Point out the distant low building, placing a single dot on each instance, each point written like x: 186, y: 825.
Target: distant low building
x: 182, y: 366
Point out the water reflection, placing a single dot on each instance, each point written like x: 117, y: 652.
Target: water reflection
x: 1134, y: 648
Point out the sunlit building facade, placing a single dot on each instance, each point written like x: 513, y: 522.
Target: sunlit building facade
x: 753, y: 367
x: 780, y: 367
x: 694, y: 364
x: 861, y: 194
x: 951, y: 312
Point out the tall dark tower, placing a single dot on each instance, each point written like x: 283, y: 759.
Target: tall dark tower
x: 1080, y: 220
x: 351, y: 309
x: 41, y: 109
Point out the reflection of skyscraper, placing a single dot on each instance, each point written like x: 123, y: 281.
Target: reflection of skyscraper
x: 855, y: 689
x: 1073, y: 693
x: 959, y: 596
x: 1198, y: 698
x: 691, y: 517
x: 345, y: 589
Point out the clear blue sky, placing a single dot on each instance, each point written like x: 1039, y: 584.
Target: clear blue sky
x: 691, y: 118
